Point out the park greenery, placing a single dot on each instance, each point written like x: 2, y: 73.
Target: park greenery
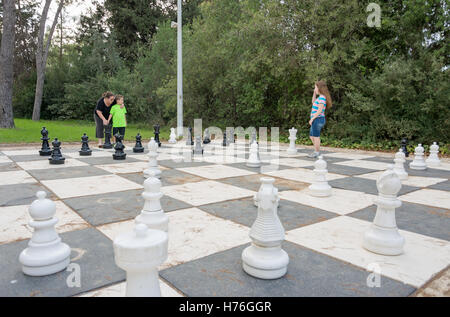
x: 252, y: 63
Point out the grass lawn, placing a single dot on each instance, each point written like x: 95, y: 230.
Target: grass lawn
x: 28, y: 131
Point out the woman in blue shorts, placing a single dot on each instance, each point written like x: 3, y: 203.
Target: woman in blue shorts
x: 321, y: 100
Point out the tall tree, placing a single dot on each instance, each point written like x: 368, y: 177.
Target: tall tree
x: 42, y: 54
x: 7, y: 64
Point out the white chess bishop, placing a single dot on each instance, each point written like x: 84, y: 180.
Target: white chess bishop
x: 433, y: 159
x: 320, y: 187
x: 152, y: 160
x: 139, y: 253
x: 152, y: 215
x: 383, y: 236
x: 292, y: 138
x: 399, y: 166
x: 45, y: 254
x: 418, y: 163
x: 264, y: 258
x: 173, y: 136
x: 253, y: 159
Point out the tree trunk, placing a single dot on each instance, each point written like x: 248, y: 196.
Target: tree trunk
x: 7, y: 64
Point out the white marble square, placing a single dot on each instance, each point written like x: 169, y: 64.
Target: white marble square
x: 294, y: 162
x: 342, y: 238
x: 443, y: 166
x: 285, y: 154
x: 119, y: 290
x: 21, y: 152
x: 207, y: 192
x: 348, y: 155
x: 4, y: 159
x: 366, y: 164
x: 429, y: 197
x: 216, y: 171
x: 341, y: 202
x: 219, y: 159
x: 45, y: 164
x: 16, y: 177
x: 14, y: 222
x: 126, y: 168
x: 415, y: 181
x: 193, y: 234
x: 161, y: 157
x: 302, y: 175
x: 85, y: 186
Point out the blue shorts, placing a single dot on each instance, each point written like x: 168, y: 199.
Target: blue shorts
x: 317, y: 126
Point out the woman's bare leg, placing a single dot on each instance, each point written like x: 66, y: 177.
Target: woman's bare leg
x: 317, y: 144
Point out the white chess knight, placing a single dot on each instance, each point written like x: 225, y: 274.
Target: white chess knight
x: 433, y: 159
x: 139, y: 253
x: 253, y: 159
x: 320, y: 186
x: 383, y: 236
x: 173, y: 136
x: 418, y: 163
x: 152, y: 215
x: 45, y: 254
x: 152, y: 160
x: 399, y: 167
x: 264, y: 258
x: 292, y: 138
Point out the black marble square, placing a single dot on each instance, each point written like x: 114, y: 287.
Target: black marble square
x: 368, y: 186
x: 253, y: 182
x: 21, y: 194
x: 169, y: 177
x: 345, y: 170
x: 69, y: 172
x: 106, y: 160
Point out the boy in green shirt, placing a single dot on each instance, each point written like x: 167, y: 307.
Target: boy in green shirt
x: 118, y: 113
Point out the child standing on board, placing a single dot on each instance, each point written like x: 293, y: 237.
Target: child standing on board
x: 321, y: 99
x: 118, y: 113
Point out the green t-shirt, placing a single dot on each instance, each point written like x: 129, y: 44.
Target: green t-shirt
x: 118, y: 116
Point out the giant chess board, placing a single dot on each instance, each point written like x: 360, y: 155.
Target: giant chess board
x: 209, y: 201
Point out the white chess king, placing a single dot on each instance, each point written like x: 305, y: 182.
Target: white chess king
x: 320, y: 187
x: 433, y: 159
x: 152, y: 160
x: 383, y: 236
x: 292, y: 138
x: 418, y: 163
x: 399, y: 167
x: 173, y: 136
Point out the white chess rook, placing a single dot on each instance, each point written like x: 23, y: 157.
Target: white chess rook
x: 320, y: 187
x: 253, y: 159
x: 45, y: 254
x: 152, y: 160
x: 173, y: 136
x: 152, y: 215
x: 383, y: 236
x: 265, y: 259
x: 418, y: 163
x: 292, y: 138
x: 433, y: 159
x: 139, y: 253
x: 399, y: 166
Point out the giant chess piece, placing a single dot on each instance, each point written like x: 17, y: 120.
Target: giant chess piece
x: 399, y: 167
x: 152, y: 160
x: 265, y: 259
x: 404, y: 146
x: 138, y: 148
x: 189, y: 140
x: 157, y: 129
x: 108, y: 133
x: 225, y: 140
x: 418, y: 163
x: 153, y: 215
x: 433, y: 159
x: 320, y: 186
x: 198, y: 146
x: 56, y: 158
x: 254, y: 137
x: 253, y: 159
x: 45, y: 150
x: 383, y: 236
x: 292, y: 138
x: 207, y: 137
x: 85, y: 150
x: 230, y: 134
x: 45, y: 254
x: 119, y: 155
x: 173, y: 136
x: 139, y: 253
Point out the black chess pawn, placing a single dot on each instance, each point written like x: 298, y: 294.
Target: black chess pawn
x: 190, y: 136
x: 138, y: 148
x: 404, y: 146
x: 225, y: 141
x: 56, y: 157
x: 108, y: 144
x: 45, y: 150
x: 119, y: 147
x: 157, y: 128
x: 85, y: 150
x: 207, y: 137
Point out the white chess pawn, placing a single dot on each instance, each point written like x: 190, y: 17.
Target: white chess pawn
x: 139, y: 253
x: 152, y: 214
x: 320, y: 187
x: 383, y: 236
x: 264, y: 258
x: 253, y: 159
x: 292, y: 138
x: 152, y: 160
x: 418, y: 163
x: 45, y: 254
x: 433, y: 159
x: 173, y: 136
x: 399, y: 167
